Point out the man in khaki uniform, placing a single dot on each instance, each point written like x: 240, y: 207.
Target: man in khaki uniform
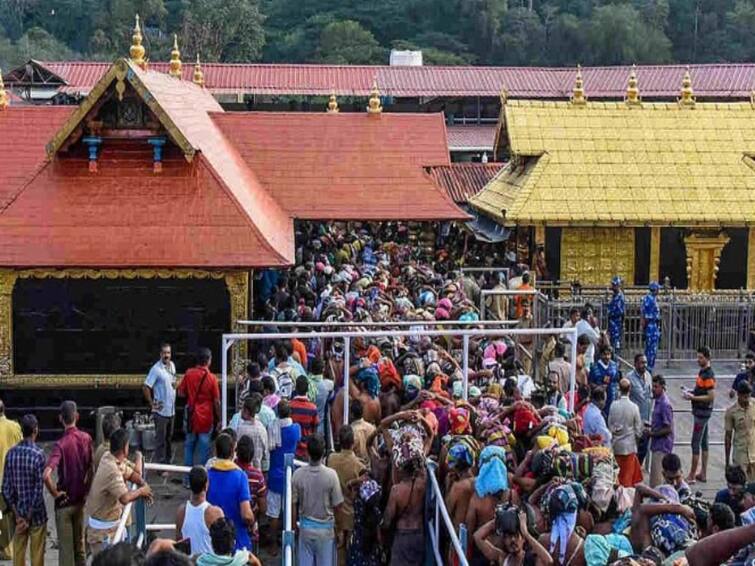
x: 739, y: 422
x: 10, y: 435
x: 348, y: 467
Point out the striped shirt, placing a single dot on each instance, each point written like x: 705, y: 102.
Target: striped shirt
x: 22, y: 482
x: 304, y: 412
x: 255, y: 430
x: 257, y: 490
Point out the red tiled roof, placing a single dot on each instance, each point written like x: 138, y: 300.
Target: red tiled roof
x: 345, y: 166
x: 658, y: 81
x: 464, y: 180
x: 24, y: 132
x: 472, y: 137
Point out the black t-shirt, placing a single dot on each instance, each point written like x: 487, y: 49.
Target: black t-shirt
x: 706, y: 381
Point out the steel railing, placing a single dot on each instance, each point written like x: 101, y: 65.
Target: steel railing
x: 441, y: 516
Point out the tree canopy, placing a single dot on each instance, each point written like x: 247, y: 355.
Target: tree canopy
x: 449, y: 32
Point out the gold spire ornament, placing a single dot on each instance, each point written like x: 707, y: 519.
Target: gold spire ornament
x: 175, y: 59
x: 198, y: 78
x: 632, y: 97
x: 4, y: 97
x: 137, y: 51
x: 578, y: 97
x: 333, y: 105
x: 688, y: 95
x: 373, y: 106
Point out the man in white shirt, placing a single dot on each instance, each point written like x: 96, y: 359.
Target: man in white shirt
x: 160, y: 393
x: 625, y: 424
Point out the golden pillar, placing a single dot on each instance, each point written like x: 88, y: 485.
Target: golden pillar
x: 703, y: 256
x: 751, y: 259
x: 655, y: 253
x: 7, y: 281
x: 237, y: 283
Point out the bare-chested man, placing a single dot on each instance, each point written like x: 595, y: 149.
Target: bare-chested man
x: 404, y: 514
x: 460, y: 485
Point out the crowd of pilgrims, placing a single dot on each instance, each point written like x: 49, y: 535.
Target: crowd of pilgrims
x: 515, y: 463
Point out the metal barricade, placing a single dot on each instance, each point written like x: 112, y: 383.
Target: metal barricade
x: 440, y: 515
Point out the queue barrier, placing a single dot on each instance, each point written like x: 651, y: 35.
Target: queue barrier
x: 441, y: 516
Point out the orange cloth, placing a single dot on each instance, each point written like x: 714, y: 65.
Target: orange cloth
x: 300, y: 350
x: 630, y: 470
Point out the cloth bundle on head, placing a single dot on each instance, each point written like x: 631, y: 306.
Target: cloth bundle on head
x: 368, y: 377
x: 563, y: 502
x: 412, y: 381
x: 408, y: 451
x: 458, y: 419
x: 388, y: 374
x: 494, y: 349
x: 603, y: 480
x: 598, y: 548
x: 493, y: 476
x: 525, y: 419
x: 368, y: 489
x: 460, y: 453
x: 474, y: 392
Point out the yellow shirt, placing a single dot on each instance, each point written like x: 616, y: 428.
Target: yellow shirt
x: 10, y: 435
x: 741, y: 422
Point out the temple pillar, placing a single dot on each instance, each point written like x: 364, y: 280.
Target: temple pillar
x: 703, y: 256
x: 751, y: 258
x: 655, y: 253
x: 7, y: 281
x: 237, y: 283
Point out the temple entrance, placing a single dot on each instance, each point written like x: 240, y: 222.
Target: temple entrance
x: 114, y: 326
x: 703, y: 257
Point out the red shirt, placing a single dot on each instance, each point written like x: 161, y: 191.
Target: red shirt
x: 201, y: 393
x: 71, y: 456
x: 304, y: 412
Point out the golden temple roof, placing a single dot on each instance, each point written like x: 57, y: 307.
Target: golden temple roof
x: 608, y: 164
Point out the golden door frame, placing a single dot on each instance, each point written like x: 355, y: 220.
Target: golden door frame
x: 237, y: 283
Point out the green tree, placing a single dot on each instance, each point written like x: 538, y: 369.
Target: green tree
x: 34, y: 44
x: 617, y: 35
x: 522, y: 38
x: 348, y: 43
x: 740, y: 23
x: 224, y: 30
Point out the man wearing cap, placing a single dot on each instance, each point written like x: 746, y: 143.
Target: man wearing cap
x: 651, y: 323
x: 616, y: 308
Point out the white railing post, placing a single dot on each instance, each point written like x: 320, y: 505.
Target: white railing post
x: 226, y: 345
x: 346, y: 380
x: 573, y: 370
x: 465, y: 363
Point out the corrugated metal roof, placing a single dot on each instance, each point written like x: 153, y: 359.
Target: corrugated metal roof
x: 471, y: 137
x: 464, y: 180
x: 658, y: 81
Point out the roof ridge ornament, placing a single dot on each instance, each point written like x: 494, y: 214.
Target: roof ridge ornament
x: 198, y: 78
x: 333, y: 104
x: 374, y: 107
x: 578, y: 97
x: 504, y: 95
x: 632, y: 97
x: 137, y: 51
x: 4, y: 96
x: 175, y: 64
x: 688, y: 95
x: 752, y: 96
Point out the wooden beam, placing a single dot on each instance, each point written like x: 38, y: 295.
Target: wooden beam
x: 655, y: 253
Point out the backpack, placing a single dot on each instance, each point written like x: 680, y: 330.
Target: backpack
x: 285, y: 379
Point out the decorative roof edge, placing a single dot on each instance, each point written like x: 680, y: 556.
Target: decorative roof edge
x: 122, y: 71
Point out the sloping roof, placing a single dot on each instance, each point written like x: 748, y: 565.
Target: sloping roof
x: 719, y: 80
x: 606, y: 163
x: 345, y: 166
x: 471, y: 137
x: 216, y: 212
x: 464, y: 180
x: 24, y: 132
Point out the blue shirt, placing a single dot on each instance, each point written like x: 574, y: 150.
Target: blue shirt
x: 22, y: 482
x: 616, y: 306
x: 276, y: 475
x: 650, y: 310
x: 228, y: 489
x: 594, y: 423
x: 161, y: 379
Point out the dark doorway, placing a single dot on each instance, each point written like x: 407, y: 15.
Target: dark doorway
x: 553, y: 252
x: 673, y: 257
x: 641, y: 256
x: 732, y: 271
x: 114, y: 326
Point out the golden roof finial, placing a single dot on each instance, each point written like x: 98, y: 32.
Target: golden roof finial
x: 632, y: 97
x: 175, y: 59
x: 578, y: 97
x: 4, y: 98
x: 374, y: 106
x: 504, y: 96
x: 752, y: 96
x: 198, y: 77
x: 333, y: 104
x: 688, y: 96
x: 137, y: 51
